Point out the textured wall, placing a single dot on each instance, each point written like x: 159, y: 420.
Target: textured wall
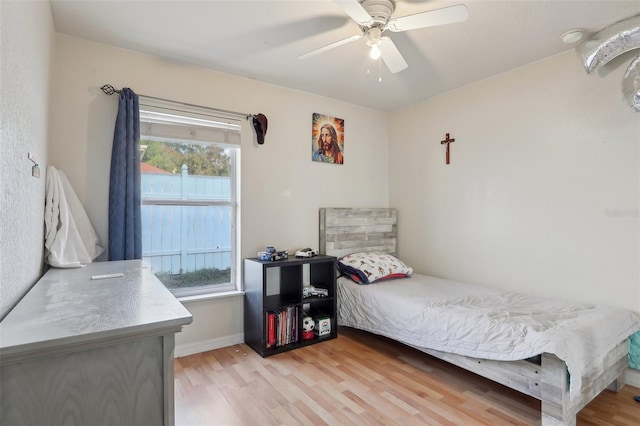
x: 26, y: 45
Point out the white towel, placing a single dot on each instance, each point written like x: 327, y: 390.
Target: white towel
x: 70, y: 239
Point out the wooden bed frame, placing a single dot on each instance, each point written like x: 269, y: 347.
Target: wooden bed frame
x: 348, y: 230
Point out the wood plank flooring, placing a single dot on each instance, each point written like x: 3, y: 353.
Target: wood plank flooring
x: 359, y: 379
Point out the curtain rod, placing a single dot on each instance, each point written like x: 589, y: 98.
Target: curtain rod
x: 110, y: 90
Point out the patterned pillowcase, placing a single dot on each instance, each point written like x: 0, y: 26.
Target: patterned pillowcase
x: 368, y: 267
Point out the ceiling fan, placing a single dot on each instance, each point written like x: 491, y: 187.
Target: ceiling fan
x: 374, y: 17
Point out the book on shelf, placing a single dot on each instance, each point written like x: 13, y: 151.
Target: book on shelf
x: 283, y: 322
x: 271, y: 329
x: 282, y: 326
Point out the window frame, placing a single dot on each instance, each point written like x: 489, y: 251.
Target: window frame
x: 190, y: 112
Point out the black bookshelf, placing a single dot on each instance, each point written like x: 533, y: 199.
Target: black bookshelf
x: 271, y: 287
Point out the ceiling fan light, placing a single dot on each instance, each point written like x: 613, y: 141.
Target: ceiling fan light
x: 375, y: 52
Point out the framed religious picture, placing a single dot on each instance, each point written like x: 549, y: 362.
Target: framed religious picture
x: 327, y: 139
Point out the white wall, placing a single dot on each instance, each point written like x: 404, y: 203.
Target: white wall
x: 26, y: 47
x: 542, y: 193
x: 282, y: 188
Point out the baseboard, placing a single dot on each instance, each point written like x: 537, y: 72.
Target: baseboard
x: 632, y: 377
x: 207, y: 345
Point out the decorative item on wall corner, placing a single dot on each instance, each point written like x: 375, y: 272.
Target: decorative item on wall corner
x: 327, y: 139
x: 260, y: 125
x: 35, y: 169
x: 609, y: 43
x: 447, y: 141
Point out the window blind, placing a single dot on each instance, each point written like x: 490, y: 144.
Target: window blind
x: 165, y: 120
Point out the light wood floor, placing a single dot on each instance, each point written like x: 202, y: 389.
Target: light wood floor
x: 359, y: 379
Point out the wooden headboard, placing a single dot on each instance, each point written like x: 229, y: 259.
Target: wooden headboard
x: 345, y: 230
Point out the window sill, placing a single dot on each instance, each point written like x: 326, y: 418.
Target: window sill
x: 208, y: 296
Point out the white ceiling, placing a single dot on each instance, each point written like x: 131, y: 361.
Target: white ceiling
x: 262, y: 40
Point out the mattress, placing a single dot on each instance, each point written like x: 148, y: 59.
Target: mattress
x: 482, y: 322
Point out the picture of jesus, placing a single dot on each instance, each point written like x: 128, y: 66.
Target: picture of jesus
x: 327, y: 139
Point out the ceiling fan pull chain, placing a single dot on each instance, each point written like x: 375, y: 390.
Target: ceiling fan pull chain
x: 379, y: 70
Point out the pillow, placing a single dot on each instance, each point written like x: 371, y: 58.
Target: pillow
x: 368, y: 267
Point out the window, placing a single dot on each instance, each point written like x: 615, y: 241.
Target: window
x: 190, y: 190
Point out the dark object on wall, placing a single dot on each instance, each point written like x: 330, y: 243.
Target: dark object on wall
x: 636, y: 398
x: 447, y: 141
x: 260, y: 124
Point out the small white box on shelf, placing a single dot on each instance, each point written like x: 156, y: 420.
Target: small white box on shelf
x: 323, y: 325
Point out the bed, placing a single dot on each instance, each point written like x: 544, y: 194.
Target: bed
x: 563, y: 354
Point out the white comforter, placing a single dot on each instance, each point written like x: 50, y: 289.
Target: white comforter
x: 486, y: 323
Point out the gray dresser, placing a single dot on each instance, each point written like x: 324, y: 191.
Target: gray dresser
x: 83, y: 351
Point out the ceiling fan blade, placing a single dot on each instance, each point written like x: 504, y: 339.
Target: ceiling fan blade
x: 354, y: 9
x: 392, y: 56
x: 329, y: 47
x: 430, y: 18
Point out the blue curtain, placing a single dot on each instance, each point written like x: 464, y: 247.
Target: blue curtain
x: 125, y: 228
